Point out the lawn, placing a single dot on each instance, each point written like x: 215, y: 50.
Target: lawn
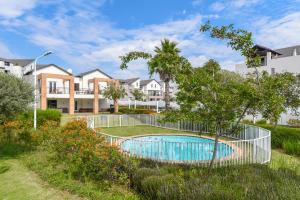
x: 137, y: 130
x: 18, y: 182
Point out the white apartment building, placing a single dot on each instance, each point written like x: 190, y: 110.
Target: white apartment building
x: 60, y: 89
x: 152, y: 90
x: 275, y: 61
x: 129, y: 85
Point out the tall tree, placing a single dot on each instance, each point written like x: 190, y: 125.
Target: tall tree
x: 15, y: 96
x: 114, y: 92
x: 210, y: 95
x: 166, y: 62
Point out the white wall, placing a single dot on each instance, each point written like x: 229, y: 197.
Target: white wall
x: 85, y: 79
x: 51, y: 70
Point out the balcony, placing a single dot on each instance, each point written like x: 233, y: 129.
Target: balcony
x: 84, y: 91
x: 58, y: 90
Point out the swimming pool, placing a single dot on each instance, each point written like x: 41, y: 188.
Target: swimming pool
x: 174, y: 148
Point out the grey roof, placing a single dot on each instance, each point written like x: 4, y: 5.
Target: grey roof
x: 262, y: 50
x: 129, y: 81
x: 91, y: 71
x: 18, y: 62
x: 145, y: 82
x: 42, y: 66
x: 288, y: 51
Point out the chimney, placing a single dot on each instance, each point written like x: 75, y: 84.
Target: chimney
x: 70, y: 70
x: 295, y: 52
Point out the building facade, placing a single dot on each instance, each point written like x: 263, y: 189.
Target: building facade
x: 60, y: 89
x: 152, y: 90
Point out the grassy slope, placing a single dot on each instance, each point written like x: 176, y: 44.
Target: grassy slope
x: 136, y: 130
x: 17, y: 182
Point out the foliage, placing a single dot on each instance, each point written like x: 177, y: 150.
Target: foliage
x: 291, y: 147
x: 294, y: 122
x: 236, y: 182
x: 15, y: 96
x: 261, y: 121
x: 211, y: 95
x: 86, y: 155
x: 114, y: 92
x: 166, y: 62
x: 43, y: 116
x: 138, y: 94
x: 136, y: 111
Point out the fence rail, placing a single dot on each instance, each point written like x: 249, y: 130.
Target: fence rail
x: 251, y: 145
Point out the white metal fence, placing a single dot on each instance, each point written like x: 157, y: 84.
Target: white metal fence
x: 251, y: 145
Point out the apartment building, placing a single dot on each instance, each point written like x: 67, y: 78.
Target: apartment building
x: 129, y: 85
x: 274, y: 60
x: 152, y: 90
x: 60, y: 89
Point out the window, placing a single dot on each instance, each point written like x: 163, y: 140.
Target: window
x: 151, y: 85
x: 6, y: 63
x: 272, y: 70
x: 76, y: 86
x: 155, y: 85
x: 52, y: 87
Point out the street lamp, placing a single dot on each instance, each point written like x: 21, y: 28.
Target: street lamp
x: 35, y: 85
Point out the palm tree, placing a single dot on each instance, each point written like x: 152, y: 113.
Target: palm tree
x: 166, y: 62
x: 138, y: 96
x: 114, y: 92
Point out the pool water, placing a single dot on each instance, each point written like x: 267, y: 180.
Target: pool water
x: 174, y: 148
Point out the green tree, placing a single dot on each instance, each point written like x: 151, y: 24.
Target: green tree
x: 166, y: 62
x: 210, y: 95
x: 137, y: 94
x: 114, y: 92
x: 15, y: 96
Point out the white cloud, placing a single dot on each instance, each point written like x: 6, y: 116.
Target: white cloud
x: 217, y: 6
x: 279, y: 33
x: 15, y: 8
x: 244, y: 3
x: 197, y: 2
x: 5, y: 51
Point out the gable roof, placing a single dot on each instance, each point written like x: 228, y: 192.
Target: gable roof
x: 146, y: 82
x: 129, y: 81
x: 262, y: 50
x: 91, y: 71
x: 288, y: 51
x: 18, y: 62
x: 42, y: 66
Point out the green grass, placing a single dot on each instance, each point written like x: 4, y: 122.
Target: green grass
x: 137, y: 130
x: 18, y: 182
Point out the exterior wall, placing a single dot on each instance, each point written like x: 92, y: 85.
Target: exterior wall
x: 285, y: 64
x: 85, y: 79
x: 51, y: 70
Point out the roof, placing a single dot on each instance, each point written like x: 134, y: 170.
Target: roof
x: 262, y: 50
x: 288, y: 51
x: 91, y: 71
x: 129, y: 81
x: 18, y: 62
x: 146, y: 82
x: 42, y: 66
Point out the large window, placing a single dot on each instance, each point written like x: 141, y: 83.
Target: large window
x: 76, y: 86
x: 6, y: 63
x: 52, y: 87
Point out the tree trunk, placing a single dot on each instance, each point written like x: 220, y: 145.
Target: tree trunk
x: 240, y: 118
x: 116, y: 106
x: 215, y: 150
x: 167, y: 94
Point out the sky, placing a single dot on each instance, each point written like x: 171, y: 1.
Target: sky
x: 85, y: 35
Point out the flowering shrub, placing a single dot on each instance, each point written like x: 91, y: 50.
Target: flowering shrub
x: 88, y: 156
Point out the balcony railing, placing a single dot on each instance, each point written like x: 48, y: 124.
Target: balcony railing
x: 58, y: 90
x: 84, y: 91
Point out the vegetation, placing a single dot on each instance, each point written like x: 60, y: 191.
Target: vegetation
x: 136, y: 130
x: 166, y: 62
x: 137, y: 94
x: 294, y: 122
x: 125, y: 110
x: 15, y: 96
x: 114, y: 92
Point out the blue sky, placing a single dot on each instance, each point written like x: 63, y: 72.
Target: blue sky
x: 93, y: 34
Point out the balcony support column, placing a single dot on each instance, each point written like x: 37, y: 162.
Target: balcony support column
x: 96, y: 97
x: 71, y: 99
x: 43, y: 94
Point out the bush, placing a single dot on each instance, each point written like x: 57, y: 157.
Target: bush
x: 261, y: 121
x: 294, y: 122
x: 42, y: 116
x: 291, y: 147
x: 88, y: 156
x: 136, y: 111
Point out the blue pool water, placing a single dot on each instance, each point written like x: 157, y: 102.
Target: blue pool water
x: 174, y: 148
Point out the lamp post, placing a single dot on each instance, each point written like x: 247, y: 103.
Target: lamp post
x: 35, y: 85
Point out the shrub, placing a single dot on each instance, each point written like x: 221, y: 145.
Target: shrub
x: 291, y: 147
x: 42, y: 116
x: 88, y: 156
x: 261, y: 121
x: 294, y: 122
x: 136, y: 111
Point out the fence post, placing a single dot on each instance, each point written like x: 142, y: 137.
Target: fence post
x: 120, y: 120
x: 107, y: 120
